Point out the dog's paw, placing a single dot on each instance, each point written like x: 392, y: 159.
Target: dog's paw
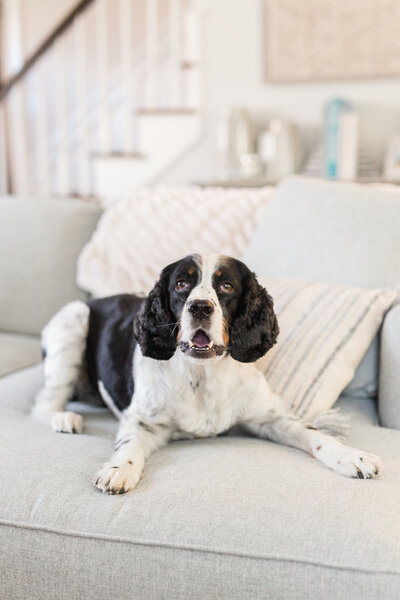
x: 357, y: 464
x: 350, y: 462
x: 117, y: 479
x: 67, y: 422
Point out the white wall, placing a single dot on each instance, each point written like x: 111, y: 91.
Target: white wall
x: 233, y: 74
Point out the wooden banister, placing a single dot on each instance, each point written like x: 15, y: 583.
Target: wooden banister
x: 59, y: 30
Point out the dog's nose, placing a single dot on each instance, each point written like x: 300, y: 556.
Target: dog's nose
x: 201, y: 309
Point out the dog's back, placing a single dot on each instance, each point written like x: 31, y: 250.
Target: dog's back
x: 110, y: 347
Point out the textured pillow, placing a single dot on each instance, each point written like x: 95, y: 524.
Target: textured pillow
x: 325, y: 330
x: 143, y: 233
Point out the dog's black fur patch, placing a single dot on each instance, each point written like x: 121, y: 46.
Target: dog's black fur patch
x: 156, y: 326
x: 111, y: 344
x: 253, y: 329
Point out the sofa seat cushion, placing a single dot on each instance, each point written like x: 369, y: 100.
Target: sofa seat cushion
x: 230, y: 517
x: 18, y: 351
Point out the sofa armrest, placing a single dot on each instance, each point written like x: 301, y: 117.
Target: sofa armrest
x: 389, y: 372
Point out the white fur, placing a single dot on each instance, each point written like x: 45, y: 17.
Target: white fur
x: 108, y: 401
x: 181, y: 398
x: 67, y: 422
x: 64, y: 341
x: 204, y: 291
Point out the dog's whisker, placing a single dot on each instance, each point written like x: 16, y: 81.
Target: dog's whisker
x: 176, y: 325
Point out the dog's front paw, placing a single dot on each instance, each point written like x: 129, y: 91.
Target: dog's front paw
x: 351, y: 462
x: 67, y: 422
x: 358, y: 464
x: 117, y: 479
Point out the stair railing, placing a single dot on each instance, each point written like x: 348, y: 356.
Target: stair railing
x: 78, y: 94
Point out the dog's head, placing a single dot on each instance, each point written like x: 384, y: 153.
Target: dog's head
x: 208, y: 305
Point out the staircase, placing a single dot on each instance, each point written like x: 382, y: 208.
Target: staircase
x: 107, y: 103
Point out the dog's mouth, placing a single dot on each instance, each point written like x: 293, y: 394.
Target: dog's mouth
x: 201, y: 346
x: 201, y: 341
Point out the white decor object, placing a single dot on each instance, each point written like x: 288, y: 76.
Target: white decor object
x: 278, y: 149
x: 325, y: 330
x: 349, y: 146
x: 151, y: 228
x: 234, y: 139
x: 392, y: 160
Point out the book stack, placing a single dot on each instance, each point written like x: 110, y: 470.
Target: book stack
x: 367, y: 167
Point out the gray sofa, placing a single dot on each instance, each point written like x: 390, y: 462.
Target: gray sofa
x: 215, y: 518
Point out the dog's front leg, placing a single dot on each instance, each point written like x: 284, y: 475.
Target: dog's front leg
x: 267, y: 417
x: 136, y: 440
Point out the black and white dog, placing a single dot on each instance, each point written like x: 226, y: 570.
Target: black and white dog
x: 178, y: 364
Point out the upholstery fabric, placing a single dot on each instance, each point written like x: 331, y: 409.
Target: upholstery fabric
x: 225, y: 518
x: 365, y: 380
x: 325, y: 330
x: 329, y: 231
x: 142, y: 234
x: 389, y: 374
x: 39, y: 244
x: 18, y: 351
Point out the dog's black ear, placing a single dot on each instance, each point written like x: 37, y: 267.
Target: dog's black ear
x: 254, y: 329
x: 154, y: 326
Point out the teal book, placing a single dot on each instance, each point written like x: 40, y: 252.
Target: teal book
x: 334, y: 136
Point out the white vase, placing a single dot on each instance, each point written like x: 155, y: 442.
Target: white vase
x: 234, y: 138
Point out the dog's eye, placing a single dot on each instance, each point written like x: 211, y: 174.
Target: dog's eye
x: 181, y: 285
x: 226, y: 287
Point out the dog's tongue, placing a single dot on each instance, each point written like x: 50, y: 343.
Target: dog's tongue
x: 200, y: 339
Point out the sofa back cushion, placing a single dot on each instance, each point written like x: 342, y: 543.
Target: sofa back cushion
x: 40, y: 241
x: 329, y: 231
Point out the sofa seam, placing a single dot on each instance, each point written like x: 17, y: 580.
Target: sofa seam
x: 170, y: 546
x: 20, y: 369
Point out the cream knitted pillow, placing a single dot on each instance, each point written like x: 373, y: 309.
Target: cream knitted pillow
x: 325, y: 330
x: 143, y: 233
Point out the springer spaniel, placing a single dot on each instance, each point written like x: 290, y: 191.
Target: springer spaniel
x: 178, y: 364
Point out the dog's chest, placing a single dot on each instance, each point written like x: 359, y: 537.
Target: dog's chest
x: 203, y: 405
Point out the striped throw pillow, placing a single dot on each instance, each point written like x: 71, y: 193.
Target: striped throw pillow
x: 325, y: 330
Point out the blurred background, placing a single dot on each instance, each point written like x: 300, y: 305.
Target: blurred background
x: 101, y: 97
